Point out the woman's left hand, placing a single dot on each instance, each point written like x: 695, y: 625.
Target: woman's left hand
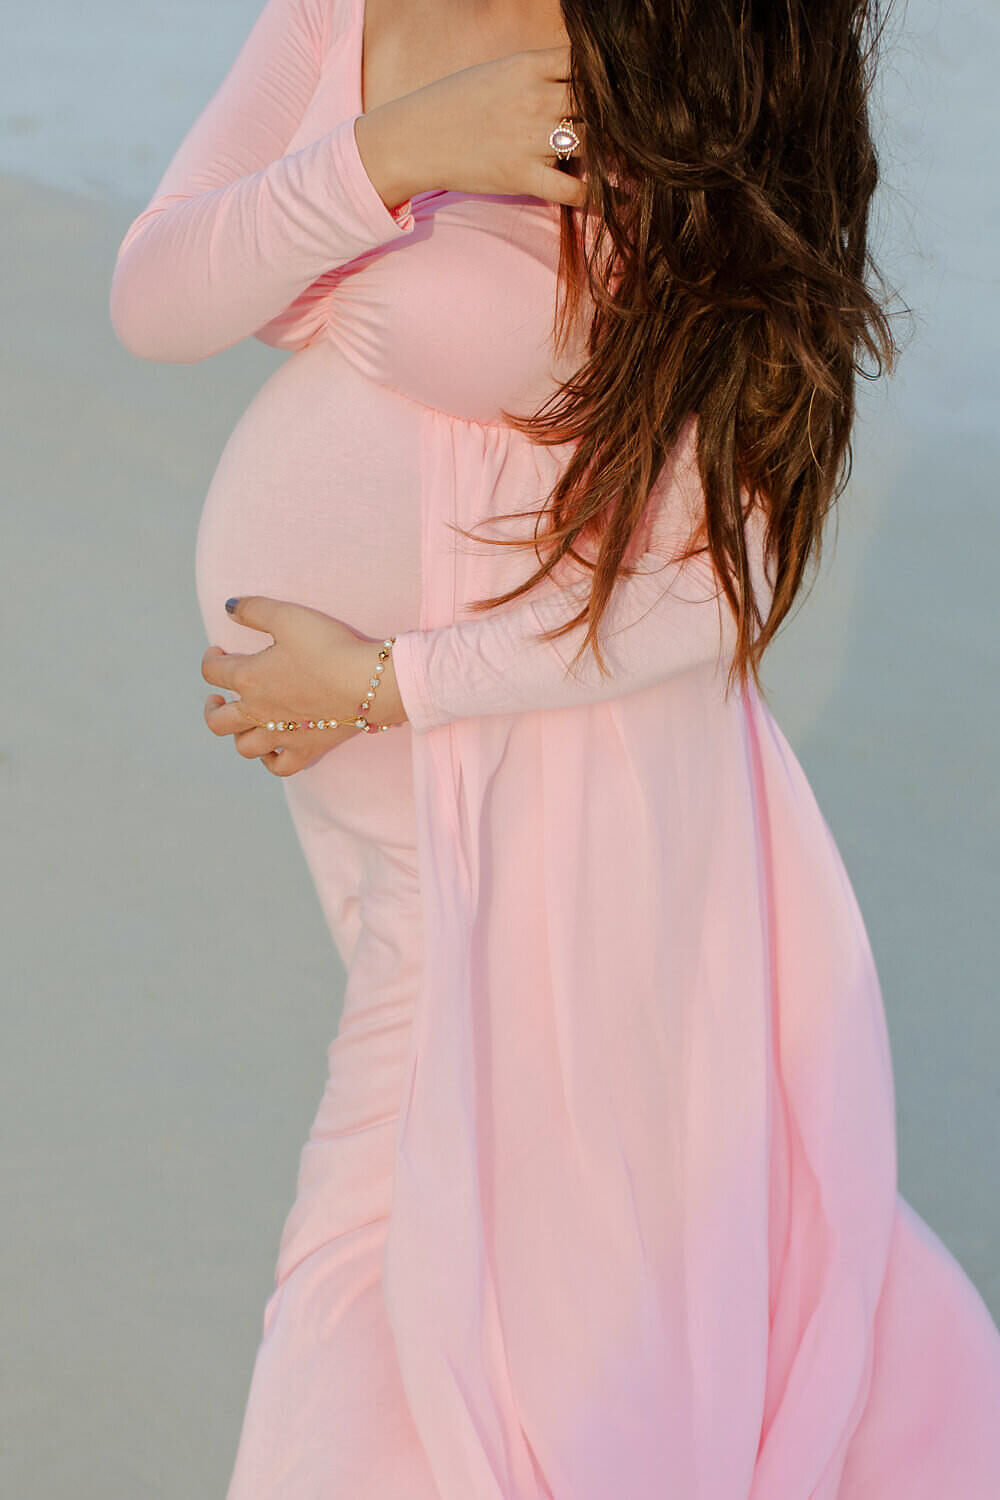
x: 316, y: 668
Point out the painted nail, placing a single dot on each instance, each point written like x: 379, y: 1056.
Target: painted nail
x: 231, y: 605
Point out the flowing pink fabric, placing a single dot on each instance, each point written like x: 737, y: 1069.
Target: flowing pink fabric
x: 644, y: 1236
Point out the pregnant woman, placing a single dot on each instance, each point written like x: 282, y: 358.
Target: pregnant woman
x: 600, y: 1199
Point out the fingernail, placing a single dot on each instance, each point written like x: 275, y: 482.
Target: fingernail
x: 231, y: 605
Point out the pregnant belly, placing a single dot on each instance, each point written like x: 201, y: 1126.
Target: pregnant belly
x: 315, y: 499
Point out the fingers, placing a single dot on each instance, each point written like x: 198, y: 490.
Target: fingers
x: 258, y: 612
x: 223, y: 668
x: 554, y: 95
x: 560, y: 187
x: 224, y: 716
x: 285, y: 762
x: 556, y: 104
x: 253, y: 742
x: 271, y: 747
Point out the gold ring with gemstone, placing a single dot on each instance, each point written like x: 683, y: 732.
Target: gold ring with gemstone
x: 564, y: 139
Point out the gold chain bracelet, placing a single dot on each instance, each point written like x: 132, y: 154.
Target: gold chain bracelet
x: 360, y: 721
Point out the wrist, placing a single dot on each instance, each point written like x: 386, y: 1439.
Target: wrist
x: 387, y: 705
x: 394, y: 150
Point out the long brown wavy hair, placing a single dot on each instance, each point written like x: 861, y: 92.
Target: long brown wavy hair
x: 730, y: 166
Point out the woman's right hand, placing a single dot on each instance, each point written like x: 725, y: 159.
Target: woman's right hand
x: 484, y: 129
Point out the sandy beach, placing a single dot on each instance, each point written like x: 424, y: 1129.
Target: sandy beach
x: 170, y: 983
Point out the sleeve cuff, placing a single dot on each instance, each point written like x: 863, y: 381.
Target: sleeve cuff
x: 412, y: 683
x: 371, y: 223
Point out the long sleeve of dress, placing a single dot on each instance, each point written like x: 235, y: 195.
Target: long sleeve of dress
x: 240, y: 238
x: 665, y: 618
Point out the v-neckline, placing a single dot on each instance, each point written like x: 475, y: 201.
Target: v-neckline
x: 358, y: 86
x: 360, y: 8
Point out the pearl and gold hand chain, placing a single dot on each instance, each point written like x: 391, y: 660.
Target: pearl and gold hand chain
x: 360, y: 721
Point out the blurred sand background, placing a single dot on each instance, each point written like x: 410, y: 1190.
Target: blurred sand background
x: 170, y: 984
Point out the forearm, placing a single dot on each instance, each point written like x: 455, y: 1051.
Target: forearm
x: 498, y: 664
x: 665, y: 619
x: 395, y: 161
x: 195, y: 275
x: 400, y: 149
x: 242, y: 234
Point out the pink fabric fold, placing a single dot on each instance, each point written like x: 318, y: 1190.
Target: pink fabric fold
x: 646, y: 1234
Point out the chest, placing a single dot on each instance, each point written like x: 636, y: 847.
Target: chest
x: 459, y: 313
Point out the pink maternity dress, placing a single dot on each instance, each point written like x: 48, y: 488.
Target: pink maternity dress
x: 600, y: 1199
